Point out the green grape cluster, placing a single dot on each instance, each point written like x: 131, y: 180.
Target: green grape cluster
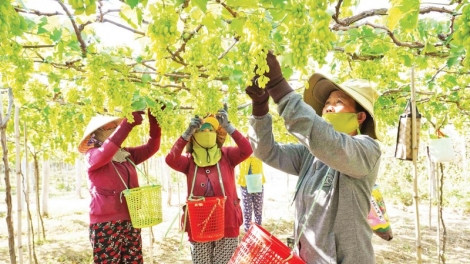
x: 461, y: 35
x: 11, y: 23
x: 72, y: 95
x: 367, y: 70
x: 246, y: 63
x: 83, y: 6
x: 163, y: 32
x: 321, y: 24
x: 163, y: 28
x: 300, y: 43
x: 205, y: 51
x: 319, y: 51
x: 16, y: 70
x: 321, y: 33
x: 257, y: 32
x: 299, y: 11
x: 96, y: 66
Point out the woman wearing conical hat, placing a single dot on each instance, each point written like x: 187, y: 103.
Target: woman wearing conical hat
x: 110, y: 168
x: 210, y: 171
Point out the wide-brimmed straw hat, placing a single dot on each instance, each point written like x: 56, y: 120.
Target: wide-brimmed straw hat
x: 95, y: 123
x: 362, y: 91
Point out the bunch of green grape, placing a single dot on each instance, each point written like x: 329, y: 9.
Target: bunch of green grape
x: 83, y: 6
x: 366, y: 69
x: 321, y: 33
x: 461, y: 35
x: 319, y: 51
x: 206, y: 51
x: 163, y: 28
x: 163, y: 32
x: 246, y: 63
x: 11, y: 23
x: 300, y: 43
x: 257, y: 32
x: 95, y: 66
x: 299, y: 11
x: 15, y: 71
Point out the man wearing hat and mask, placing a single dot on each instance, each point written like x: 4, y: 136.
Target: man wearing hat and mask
x: 111, y: 170
x: 336, y: 158
x: 210, y: 171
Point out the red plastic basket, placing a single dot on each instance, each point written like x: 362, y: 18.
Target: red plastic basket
x: 260, y: 247
x: 207, y: 218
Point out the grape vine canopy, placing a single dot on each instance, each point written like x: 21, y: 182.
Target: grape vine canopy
x: 194, y: 56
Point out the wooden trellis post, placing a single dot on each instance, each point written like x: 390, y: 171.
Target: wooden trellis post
x: 414, y: 147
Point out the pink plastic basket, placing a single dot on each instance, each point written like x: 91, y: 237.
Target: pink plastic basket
x: 260, y: 247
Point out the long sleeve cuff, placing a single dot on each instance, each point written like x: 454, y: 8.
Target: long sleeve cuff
x: 121, y: 133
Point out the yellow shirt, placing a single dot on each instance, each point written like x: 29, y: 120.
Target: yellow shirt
x: 256, y: 168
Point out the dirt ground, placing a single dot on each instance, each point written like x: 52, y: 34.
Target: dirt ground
x: 66, y: 238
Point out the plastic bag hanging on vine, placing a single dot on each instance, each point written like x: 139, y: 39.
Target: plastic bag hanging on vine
x: 441, y: 148
x: 403, y: 148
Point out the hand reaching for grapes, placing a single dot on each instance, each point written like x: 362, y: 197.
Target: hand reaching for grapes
x: 194, y: 124
x: 259, y: 98
x: 274, y: 73
x: 222, y: 117
x: 277, y: 86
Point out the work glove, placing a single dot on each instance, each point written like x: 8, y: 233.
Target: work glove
x: 277, y: 86
x: 259, y: 98
x: 222, y: 117
x: 194, y: 125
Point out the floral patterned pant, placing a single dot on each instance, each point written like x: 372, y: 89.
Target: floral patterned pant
x: 252, y: 204
x: 116, y: 242
x: 214, y: 252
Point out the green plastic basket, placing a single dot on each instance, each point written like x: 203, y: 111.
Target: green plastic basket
x: 145, y: 205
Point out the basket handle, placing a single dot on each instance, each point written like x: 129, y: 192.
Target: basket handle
x: 119, y: 174
x: 210, y: 215
x: 148, y: 178
x: 289, y: 257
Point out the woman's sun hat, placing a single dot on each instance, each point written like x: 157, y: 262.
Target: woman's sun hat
x: 362, y: 91
x: 213, y: 121
x: 95, y: 123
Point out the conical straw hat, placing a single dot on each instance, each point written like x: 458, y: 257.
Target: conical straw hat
x: 95, y: 123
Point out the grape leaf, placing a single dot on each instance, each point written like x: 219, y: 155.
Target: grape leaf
x: 202, y: 4
x: 132, y: 3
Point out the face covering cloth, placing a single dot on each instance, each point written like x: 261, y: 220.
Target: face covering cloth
x: 342, y: 122
x: 205, y: 150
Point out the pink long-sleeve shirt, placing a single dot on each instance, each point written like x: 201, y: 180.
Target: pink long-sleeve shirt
x: 105, y: 185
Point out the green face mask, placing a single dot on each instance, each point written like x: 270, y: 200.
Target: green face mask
x: 205, y: 150
x: 205, y: 139
x: 342, y: 122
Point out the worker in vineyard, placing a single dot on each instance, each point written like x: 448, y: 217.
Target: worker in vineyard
x: 251, y: 180
x: 336, y: 158
x: 210, y: 172
x: 111, y: 170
